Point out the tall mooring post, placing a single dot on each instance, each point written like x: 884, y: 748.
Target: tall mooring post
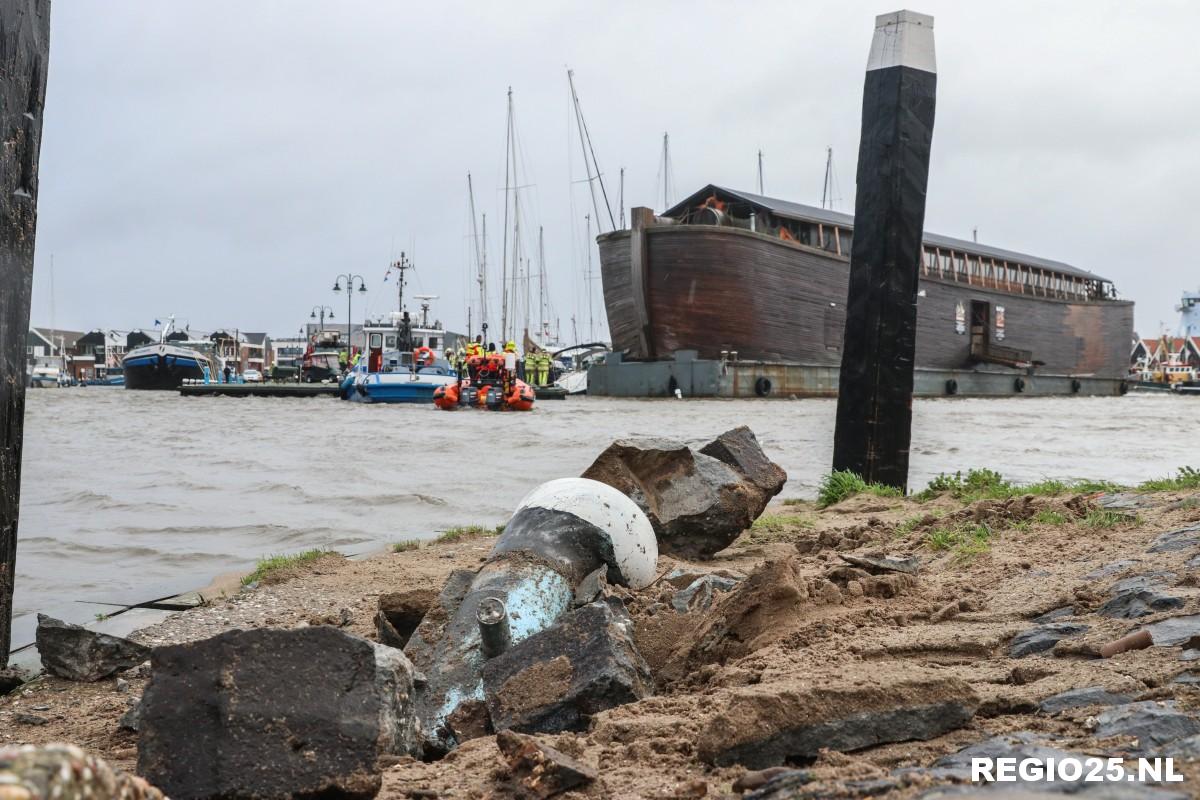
x: 874, y: 414
x: 24, y: 52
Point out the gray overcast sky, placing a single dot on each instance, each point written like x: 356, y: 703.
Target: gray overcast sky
x: 222, y: 161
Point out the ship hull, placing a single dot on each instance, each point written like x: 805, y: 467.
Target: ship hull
x: 731, y: 294
x: 161, y: 368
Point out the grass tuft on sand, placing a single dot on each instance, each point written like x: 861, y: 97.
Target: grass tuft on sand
x: 841, y: 484
x: 272, y: 569
x: 462, y: 532
x: 987, y: 484
x: 964, y: 541
x: 405, y: 545
x: 1185, y: 478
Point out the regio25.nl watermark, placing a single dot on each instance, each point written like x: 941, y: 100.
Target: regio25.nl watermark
x: 1074, y: 770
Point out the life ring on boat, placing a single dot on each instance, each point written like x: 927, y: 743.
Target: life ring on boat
x: 762, y: 386
x: 424, y: 356
x: 1076, y: 385
x: 1019, y: 384
x: 951, y: 386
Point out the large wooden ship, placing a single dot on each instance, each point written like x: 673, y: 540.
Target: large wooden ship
x: 740, y: 277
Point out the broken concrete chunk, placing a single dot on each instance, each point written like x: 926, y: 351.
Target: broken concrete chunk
x: 1134, y: 603
x: 592, y: 586
x: 10, y: 679
x: 271, y: 713
x: 699, y: 595
x: 698, y: 503
x: 539, y: 770
x: 66, y: 772
x: 1174, y: 631
x: 739, y: 449
x: 1078, y: 698
x: 1171, y: 541
x: 556, y: 679
x: 766, y: 725
x: 78, y: 654
x: 877, y: 565
x: 1042, y: 638
x: 1153, y: 724
x: 1055, y: 615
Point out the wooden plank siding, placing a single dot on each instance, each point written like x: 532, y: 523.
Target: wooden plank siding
x: 715, y: 289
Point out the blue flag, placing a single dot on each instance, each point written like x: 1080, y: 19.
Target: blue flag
x: 157, y: 323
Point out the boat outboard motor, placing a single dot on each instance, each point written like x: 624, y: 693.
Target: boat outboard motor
x: 563, y: 531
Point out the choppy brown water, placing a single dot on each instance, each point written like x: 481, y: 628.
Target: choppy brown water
x: 124, y: 490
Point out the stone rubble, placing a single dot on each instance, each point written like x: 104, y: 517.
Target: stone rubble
x: 78, y: 654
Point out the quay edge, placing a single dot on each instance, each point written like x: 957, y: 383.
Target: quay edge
x: 698, y: 377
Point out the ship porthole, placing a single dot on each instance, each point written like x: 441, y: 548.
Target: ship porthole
x: 1019, y: 384
x: 951, y: 386
x: 1076, y: 385
x: 762, y: 387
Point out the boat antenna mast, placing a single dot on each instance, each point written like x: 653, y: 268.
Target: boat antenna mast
x: 589, y: 156
x: 829, y: 188
x: 760, y: 173
x: 542, y: 331
x: 588, y: 282
x: 665, y: 164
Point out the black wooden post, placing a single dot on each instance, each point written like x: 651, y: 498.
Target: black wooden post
x: 874, y: 414
x: 24, y: 51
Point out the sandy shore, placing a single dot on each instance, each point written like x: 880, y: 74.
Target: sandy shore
x: 808, y: 620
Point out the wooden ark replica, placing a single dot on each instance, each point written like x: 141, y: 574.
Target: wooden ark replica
x: 731, y: 293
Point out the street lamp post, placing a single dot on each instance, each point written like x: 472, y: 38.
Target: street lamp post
x: 337, y: 287
x: 321, y: 310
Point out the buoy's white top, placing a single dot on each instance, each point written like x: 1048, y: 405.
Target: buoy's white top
x: 635, y: 548
x: 903, y: 39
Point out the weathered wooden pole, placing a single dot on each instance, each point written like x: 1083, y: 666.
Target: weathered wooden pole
x: 24, y: 56
x: 874, y: 414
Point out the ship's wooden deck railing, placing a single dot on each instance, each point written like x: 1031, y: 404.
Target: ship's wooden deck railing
x: 1017, y: 278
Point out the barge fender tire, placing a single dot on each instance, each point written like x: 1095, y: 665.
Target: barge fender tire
x: 951, y: 386
x: 1019, y: 384
x: 762, y: 387
x: 1076, y: 385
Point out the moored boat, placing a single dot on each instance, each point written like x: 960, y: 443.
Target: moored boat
x: 735, y: 293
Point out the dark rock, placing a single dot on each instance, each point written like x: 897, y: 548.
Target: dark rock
x: 1125, y: 501
x: 1077, y: 698
x: 592, y: 587
x: 699, y: 595
x: 421, y: 646
x: 10, y: 679
x: 1042, y: 638
x: 539, y: 770
x: 555, y: 680
x: 1110, y: 569
x: 23, y: 718
x: 1188, y: 747
x: 698, y: 503
x: 739, y: 449
x: 1171, y: 541
x: 1055, y: 615
x: 797, y: 784
x: 764, y: 725
x: 879, y: 564
x: 1136, y: 603
x: 400, y: 613
x: 1146, y: 580
x: 1188, y: 678
x: 271, y: 713
x: 131, y: 720
x: 78, y: 654
x: 1174, y: 631
x: 1194, y: 562
x: 1154, y: 725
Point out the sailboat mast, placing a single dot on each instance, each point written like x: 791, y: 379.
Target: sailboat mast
x: 588, y: 282
x: 827, y: 187
x: 760, y: 173
x: 480, y: 276
x: 504, y: 247
x: 483, y: 315
x: 666, y: 170
x: 585, y: 146
x: 622, y: 198
x: 541, y: 285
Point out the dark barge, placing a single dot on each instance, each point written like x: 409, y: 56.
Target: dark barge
x: 734, y: 294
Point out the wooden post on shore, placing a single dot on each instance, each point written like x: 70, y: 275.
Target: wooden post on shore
x: 874, y: 414
x: 24, y: 57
